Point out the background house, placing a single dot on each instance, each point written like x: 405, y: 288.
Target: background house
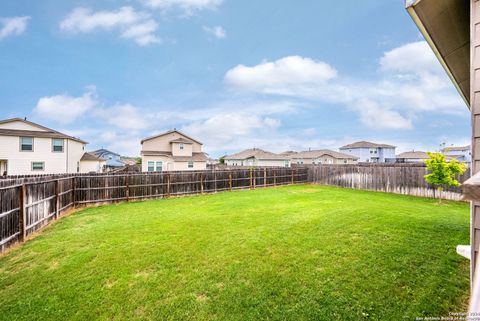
x: 172, y: 151
x: 92, y: 163
x: 257, y: 157
x: 371, y: 152
x: 460, y: 153
x: 323, y: 156
x: 412, y: 157
x: 113, y: 160
x: 29, y: 148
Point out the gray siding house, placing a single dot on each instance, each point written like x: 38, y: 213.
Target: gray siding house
x: 371, y: 152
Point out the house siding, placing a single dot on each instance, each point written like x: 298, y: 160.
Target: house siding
x: 364, y: 155
x: 20, y: 163
x: 475, y: 109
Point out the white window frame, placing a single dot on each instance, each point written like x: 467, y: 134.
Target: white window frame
x: 53, y: 145
x: 21, y: 144
x: 38, y: 169
x: 181, y: 146
x: 152, y: 166
x: 158, y: 166
x: 190, y: 164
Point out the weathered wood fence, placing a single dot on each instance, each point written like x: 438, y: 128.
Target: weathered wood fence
x: 393, y: 178
x: 28, y: 203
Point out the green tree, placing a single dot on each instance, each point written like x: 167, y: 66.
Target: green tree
x: 442, y: 172
x: 221, y: 160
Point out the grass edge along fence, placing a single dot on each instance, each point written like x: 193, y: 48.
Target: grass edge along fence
x: 28, y: 204
x: 406, y: 179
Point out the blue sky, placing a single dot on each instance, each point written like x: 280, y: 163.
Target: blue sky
x: 278, y: 75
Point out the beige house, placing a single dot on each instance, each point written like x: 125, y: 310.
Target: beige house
x: 27, y: 148
x: 92, y: 163
x: 412, y: 157
x: 322, y: 156
x: 172, y: 151
x: 257, y: 157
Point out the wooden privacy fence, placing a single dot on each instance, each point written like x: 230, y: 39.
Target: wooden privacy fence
x: 32, y: 203
x: 394, y: 178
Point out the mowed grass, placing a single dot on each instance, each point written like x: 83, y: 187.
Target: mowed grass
x: 291, y: 253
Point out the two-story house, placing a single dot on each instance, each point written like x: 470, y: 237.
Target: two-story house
x: 28, y: 148
x: 257, y: 157
x: 113, y: 160
x: 371, y: 152
x: 172, y: 151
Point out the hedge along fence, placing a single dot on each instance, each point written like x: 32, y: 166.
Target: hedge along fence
x: 29, y: 203
x: 405, y: 179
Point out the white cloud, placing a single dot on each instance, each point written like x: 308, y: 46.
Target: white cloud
x: 275, y: 77
x: 124, y: 116
x: 131, y: 24
x: 412, y: 82
x: 188, y: 6
x: 218, y: 31
x: 13, y: 26
x: 64, y: 108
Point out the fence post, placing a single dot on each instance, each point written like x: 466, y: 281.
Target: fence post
x: 57, y: 199
x: 73, y: 191
x: 127, y: 187
x: 292, y: 175
x: 230, y: 181
x: 274, y: 178
x: 265, y: 177
x: 168, y: 185
x: 251, y: 178
x: 23, y: 213
x: 215, y: 179
x: 201, y: 183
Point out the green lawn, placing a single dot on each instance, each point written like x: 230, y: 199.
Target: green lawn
x: 291, y: 253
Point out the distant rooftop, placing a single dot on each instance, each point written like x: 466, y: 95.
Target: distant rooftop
x: 365, y: 144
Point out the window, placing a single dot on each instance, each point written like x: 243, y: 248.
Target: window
x: 286, y: 163
x: 78, y: 167
x: 38, y: 166
x: 181, y: 146
x: 57, y: 145
x: 190, y: 164
x: 151, y: 166
x: 26, y: 144
x: 344, y: 161
x: 158, y: 168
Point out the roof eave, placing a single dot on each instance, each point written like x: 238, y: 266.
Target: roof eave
x: 423, y: 30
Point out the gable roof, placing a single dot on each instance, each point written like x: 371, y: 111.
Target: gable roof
x: 91, y: 157
x: 45, y: 133
x: 413, y: 155
x: 455, y: 148
x: 171, y: 132
x: 256, y: 153
x: 181, y: 140
x: 102, y: 151
x: 446, y: 28
x: 365, y: 144
x: 319, y: 153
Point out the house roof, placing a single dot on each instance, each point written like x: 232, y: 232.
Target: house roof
x: 413, y: 155
x: 181, y: 140
x: 319, y: 153
x: 170, y: 132
x: 365, y: 144
x: 103, y: 151
x: 198, y: 157
x: 288, y: 153
x: 45, y: 133
x: 256, y: 153
x: 455, y: 148
x: 91, y: 157
x: 446, y: 27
